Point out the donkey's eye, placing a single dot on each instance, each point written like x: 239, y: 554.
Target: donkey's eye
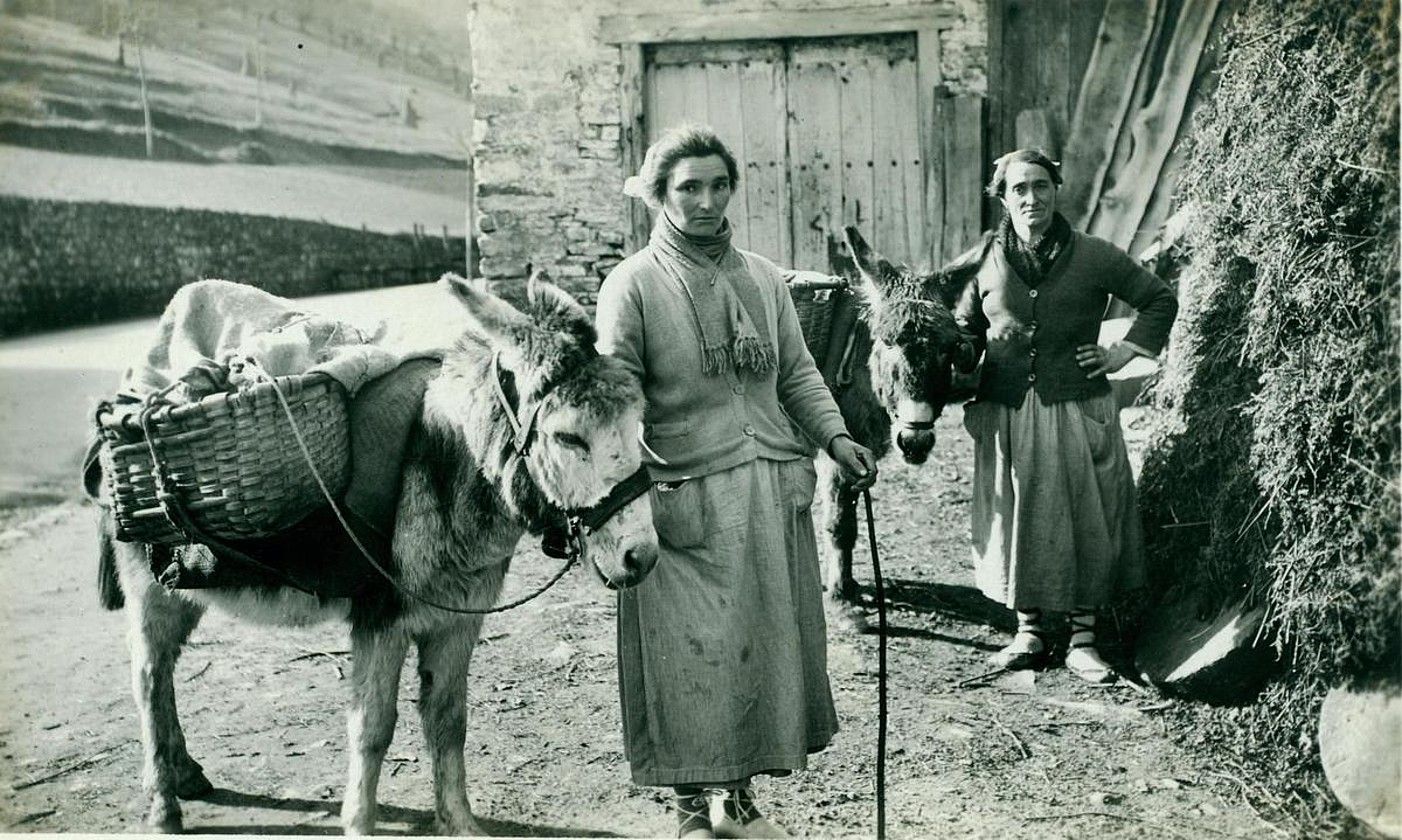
x: 572, y: 440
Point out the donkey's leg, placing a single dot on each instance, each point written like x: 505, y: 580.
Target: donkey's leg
x: 158, y: 623
x: 828, y: 516
x: 844, y: 537
x: 377, y: 656
x: 444, y: 654
x: 839, y: 518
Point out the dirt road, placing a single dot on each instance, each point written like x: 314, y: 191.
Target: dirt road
x: 1001, y: 757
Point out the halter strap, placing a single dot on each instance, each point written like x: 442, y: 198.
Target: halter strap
x: 623, y: 494
x: 522, y: 434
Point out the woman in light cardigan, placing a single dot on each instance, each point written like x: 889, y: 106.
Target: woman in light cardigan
x: 1055, y: 523
x: 722, y: 650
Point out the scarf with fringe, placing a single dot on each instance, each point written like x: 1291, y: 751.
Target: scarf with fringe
x: 726, y: 301
x: 1032, y: 262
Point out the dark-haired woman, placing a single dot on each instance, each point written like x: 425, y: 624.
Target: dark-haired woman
x: 722, y: 650
x: 1055, y: 524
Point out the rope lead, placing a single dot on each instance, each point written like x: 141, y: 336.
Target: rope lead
x: 880, y: 673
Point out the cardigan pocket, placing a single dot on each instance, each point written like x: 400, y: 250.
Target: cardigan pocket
x: 800, y: 482
x: 1097, y: 415
x: 975, y: 412
x: 677, y: 513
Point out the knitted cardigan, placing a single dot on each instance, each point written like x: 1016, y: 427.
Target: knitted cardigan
x: 701, y: 424
x: 1029, y: 335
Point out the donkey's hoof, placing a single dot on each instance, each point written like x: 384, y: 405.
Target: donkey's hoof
x: 847, y: 619
x: 163, y: 819
x: 192, y: 782
x: 458, y: 827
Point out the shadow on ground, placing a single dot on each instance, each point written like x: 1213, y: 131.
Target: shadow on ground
x: 943, y: 600
x: 393, y: 821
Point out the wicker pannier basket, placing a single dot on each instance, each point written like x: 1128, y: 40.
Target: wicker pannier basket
x: 816, y: 298
x: 230, y: 464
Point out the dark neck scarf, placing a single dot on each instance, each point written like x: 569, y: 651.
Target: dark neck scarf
x: 1032, y: 262
x: 725, y: 300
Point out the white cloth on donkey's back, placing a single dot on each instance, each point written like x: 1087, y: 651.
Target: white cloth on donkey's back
x: 209, y: 322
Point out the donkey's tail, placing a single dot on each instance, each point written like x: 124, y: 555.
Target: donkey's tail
x: 109, y: 589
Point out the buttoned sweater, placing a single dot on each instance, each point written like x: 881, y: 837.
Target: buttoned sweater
x: 1028, y: 334
x: 701, y: 424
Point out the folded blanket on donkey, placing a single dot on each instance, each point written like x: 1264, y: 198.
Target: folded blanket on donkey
x: 204, y: 341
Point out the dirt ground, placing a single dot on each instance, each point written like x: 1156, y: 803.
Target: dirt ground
x: 970, y: 754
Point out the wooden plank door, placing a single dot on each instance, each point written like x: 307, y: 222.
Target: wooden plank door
x: 738, y: 89
x: 826, y: 132
x: 854, y: 151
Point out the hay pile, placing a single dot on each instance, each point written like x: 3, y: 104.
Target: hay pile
x: 1275, y: 472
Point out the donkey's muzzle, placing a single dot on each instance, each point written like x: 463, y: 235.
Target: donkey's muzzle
x: 638, y: 562
x: 915, y: 440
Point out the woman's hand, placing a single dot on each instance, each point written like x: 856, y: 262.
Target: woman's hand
x: 857, y: 463
x: 1098, y: 361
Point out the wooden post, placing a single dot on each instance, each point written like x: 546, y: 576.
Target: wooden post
x: 929, y: 91
x: 145, y: 101
x: 632, y: 138
x: 258, y: 70
x: 965, y: 178
x: 470, y: 138
x: 1036, y: 129
x: 1154, y: 127
x: 958, y: 194
x: 1104, y: 99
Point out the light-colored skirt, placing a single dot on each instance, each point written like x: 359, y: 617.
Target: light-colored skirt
x: 722, y: 650
x: 1055, y: 522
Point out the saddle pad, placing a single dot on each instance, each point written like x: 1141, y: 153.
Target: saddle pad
x: 382, y: 413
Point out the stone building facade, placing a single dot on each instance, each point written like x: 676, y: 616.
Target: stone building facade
x: 551, y: 150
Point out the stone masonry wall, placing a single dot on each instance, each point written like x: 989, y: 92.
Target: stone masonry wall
x: 548, y: 157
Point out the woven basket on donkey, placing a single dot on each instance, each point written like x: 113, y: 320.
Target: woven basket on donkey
x: 815, y: 301
x: 231, y: 461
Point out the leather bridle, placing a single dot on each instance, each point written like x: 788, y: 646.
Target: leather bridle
x: 579, y: 522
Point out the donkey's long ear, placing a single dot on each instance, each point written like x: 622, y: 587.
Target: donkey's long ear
x: 872, y: 265
x: 535, y: 276
x: 493, y: 317
x: 546, y: 297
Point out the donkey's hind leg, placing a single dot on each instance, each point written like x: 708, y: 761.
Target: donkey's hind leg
x: 444, y: 655
x: 377, y: 657
x: 158, y: 623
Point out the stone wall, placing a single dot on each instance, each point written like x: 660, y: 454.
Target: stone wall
x: 68, y: 263
x: 548, y: 158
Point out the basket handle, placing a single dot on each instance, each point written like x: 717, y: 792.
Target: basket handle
x: 170, y: 505
x: 828, y: 283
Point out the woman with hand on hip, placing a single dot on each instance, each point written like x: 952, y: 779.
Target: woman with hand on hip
x: 722, y: 650
x: 1055, y: 523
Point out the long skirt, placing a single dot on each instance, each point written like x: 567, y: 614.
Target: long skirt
x: 722, y: 650
x: 1055, y: 523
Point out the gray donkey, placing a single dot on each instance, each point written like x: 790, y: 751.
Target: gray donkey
x: 471, y: 488
x: 907, y: 326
